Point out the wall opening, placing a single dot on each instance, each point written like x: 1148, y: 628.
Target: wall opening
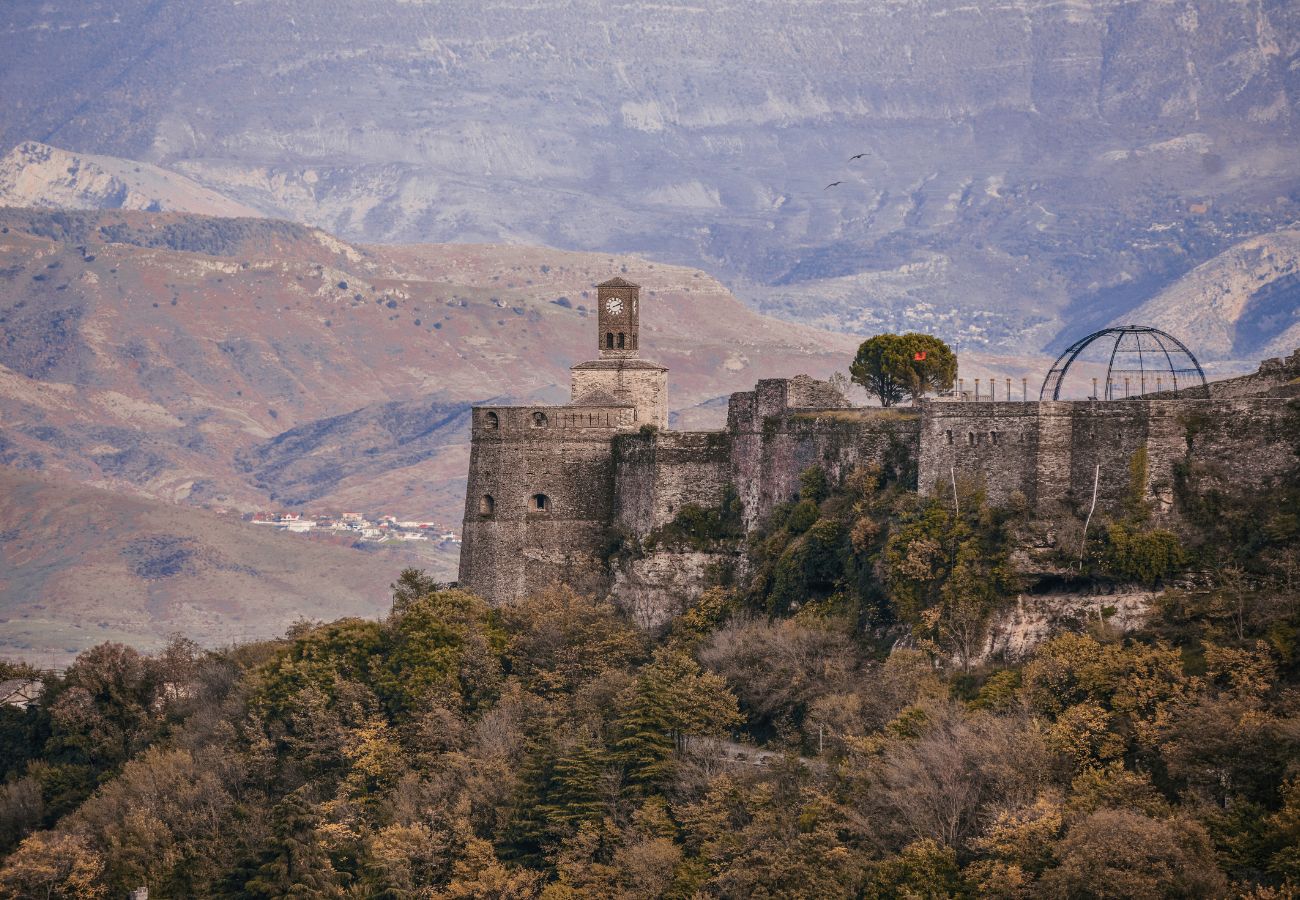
x: 539, y: 419
x: 491, y: 422
x: 970, y: 438
x: 486, y: 505
x: 541, y: 503
x: 609, y: 340
x: 622, y: 338
x: 949, y: 436
x: 993, y: 436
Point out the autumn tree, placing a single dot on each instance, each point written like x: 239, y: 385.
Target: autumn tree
x: 1120, y: 853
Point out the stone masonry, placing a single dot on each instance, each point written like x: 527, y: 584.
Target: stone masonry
x: 551, y: 488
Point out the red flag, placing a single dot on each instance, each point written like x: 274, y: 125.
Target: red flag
x: 919, y: 355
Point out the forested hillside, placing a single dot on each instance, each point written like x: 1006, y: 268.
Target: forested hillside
x: 815, y: 726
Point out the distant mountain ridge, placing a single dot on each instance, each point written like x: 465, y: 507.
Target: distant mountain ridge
x: 1031, y: 168
x: 253, y: 362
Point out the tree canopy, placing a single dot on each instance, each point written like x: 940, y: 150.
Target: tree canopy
x: 894, y: 366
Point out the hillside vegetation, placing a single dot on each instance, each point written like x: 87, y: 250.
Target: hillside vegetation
x: 779, y: 740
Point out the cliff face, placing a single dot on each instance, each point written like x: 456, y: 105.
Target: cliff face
x: 1244, y: 303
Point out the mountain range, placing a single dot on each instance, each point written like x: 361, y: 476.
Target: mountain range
x: 222, y: 361
x: 1028, y: 170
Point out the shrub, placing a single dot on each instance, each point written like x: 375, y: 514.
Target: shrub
x: 813, y: 484
x: 802, y: 516
x: 1146, y: 557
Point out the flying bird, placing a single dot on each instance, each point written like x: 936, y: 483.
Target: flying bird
x: 831, y: 185
x: 859, y: 156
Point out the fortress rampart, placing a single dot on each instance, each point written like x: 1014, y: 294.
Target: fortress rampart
x: 539, y: 496
x: 784, y: 426
x: 1050, y: 451
x: 554, y: 489
x: 657, y: 473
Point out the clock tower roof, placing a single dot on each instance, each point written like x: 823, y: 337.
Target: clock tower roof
x: 617, y: 282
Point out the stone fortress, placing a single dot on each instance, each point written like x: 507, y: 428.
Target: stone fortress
x: 551, y: 486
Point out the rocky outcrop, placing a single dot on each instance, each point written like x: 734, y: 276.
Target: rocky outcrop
x: 1014, y: 632
x: 1241, y: 304
x: 44, y: 177
x: 654, y: 589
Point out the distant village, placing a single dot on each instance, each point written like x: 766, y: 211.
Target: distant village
x: 384, y: 528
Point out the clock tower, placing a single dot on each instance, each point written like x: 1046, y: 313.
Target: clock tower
x: 618, y: 318
x: 620, y: 377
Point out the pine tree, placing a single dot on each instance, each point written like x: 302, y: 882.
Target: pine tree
x: 294, y: 863
x: 670, y: 700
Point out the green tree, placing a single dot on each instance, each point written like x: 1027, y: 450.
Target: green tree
x: 925, y: 870
x: 670, y: 700
x: 813, y: 484
x: 881, y: 367
x: 933, y: 364
x: 892, y: 366
x: 294, y: 862
x: 410, y: 586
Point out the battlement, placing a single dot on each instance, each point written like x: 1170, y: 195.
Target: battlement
x: 777, y: 396
x: 541, y: 423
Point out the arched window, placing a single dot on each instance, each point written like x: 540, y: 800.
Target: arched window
x: 621, y: 341
x: 609, y: 340
x: 634, y: 341
x: 541, y: 502
x: 539, y: 419
x: 486, y: 505
x: 970, y: 438
x: 491, y: 422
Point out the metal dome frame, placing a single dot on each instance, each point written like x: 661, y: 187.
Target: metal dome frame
x: 1156, y: 347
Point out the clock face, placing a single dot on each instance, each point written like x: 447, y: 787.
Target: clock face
x: 614, y: 305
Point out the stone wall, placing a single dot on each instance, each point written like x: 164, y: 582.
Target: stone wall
x: 656, y: 474
x: 773, y: 441
x: 638, y: 383
x: 1049, y: 451
x: 599, y: 469
x: 998, y: 442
